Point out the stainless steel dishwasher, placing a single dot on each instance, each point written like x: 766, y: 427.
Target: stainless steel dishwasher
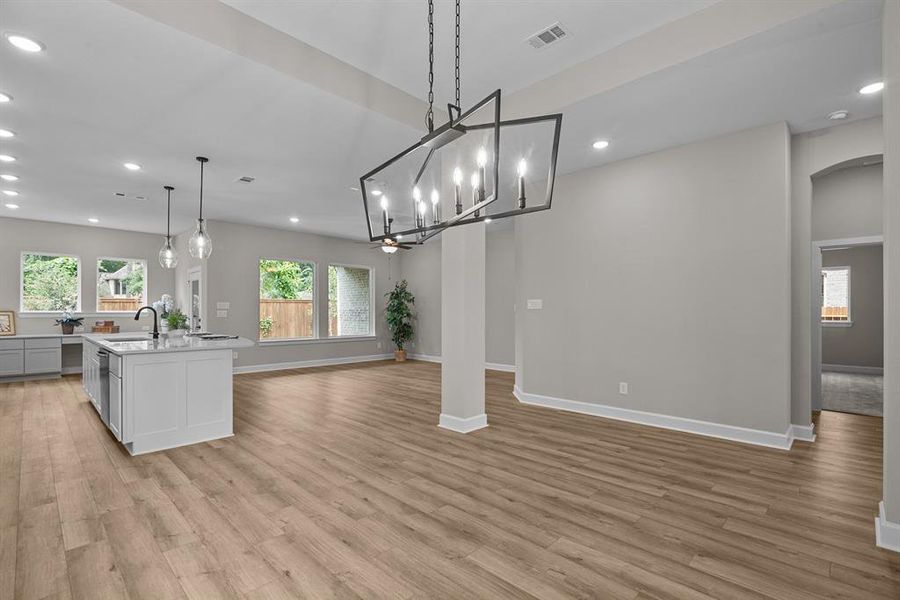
x: 103, y: 385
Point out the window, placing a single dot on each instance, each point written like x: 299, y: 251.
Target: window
x: 349, y: 301
x: 121, y: 284
x: 50, y: 283
x: 286, y: 299
x: 836, y: 295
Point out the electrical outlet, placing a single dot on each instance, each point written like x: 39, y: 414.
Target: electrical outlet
x: 535, y: 304
x: 221, y: 314
x: 623, y: 388
x: 234, y: 355
x: 379, y: 345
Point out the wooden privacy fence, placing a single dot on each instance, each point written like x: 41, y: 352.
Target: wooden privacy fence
x: 835, y: 313
x: 290, y: 318
x: 119, y: 304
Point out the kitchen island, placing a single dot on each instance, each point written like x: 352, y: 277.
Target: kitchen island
x: 164, y: 393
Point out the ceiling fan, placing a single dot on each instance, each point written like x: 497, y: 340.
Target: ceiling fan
x: 390, y: 245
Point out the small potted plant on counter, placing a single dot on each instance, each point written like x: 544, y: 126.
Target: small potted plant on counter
x: 399, y: 317
x: 177, y: 322
x: 69, y: 322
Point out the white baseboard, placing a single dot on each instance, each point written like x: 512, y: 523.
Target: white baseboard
x: 303, y: 364
x: 488, y: 365
x: 461, y: 425
x: 757, y: 437
x: 853, y: 369
x: 804, y: 433
x: 887, y: 534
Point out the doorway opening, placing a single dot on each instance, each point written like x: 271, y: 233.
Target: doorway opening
x: 195, y: 298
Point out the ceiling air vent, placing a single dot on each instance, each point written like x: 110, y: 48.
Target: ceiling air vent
x: 547, y: 36
x: 246, y: 179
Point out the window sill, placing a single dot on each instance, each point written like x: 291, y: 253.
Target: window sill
x: 54, y: 314
x: 837, y: 323
x: 326, y: 340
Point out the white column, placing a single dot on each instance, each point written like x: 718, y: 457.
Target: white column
x: 887, y: 524
x: 462, y: 328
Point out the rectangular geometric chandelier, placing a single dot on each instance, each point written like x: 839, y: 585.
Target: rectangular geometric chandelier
x: 473, y: 168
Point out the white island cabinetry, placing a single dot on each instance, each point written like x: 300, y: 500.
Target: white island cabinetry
x: 160, y: 394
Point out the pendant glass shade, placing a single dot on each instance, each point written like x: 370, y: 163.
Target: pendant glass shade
x: 168, y: 258
x: 200, y: 245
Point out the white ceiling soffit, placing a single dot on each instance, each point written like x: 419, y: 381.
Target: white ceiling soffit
x: 798, y: 72
x: 389, y: 39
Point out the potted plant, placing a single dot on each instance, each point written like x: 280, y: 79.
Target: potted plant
x: 177, y: 322
x: 68, y: 322
x: 399, y: 317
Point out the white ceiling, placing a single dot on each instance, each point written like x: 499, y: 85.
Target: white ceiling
x: 115, y: 86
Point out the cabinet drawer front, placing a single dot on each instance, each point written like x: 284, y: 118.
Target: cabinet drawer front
x: 43, y: 360
x: 11, y: 344
x: 115, y: 365
x: 54, y: 342
x: 11, y: 363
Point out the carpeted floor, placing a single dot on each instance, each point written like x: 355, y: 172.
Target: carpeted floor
x: 853, y: 393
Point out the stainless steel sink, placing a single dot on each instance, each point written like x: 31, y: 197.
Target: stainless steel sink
x: 127, y: 339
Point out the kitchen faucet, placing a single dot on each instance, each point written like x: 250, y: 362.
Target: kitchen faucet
x: 137, y: 315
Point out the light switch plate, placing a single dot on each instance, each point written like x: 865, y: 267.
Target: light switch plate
x: 221, y: 313
x: 223, y: 305
x: 535, y: 304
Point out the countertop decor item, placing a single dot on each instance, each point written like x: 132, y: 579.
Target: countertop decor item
x: 176, y: 320
x: 200, y: 245
x: 69, y: 322
x: 7, y: 322
x: 168, y: 257
x: 399, y: 317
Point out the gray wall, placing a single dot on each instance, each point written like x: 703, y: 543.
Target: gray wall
x: 861, y: 344
x: 848, y: 203
x: 668, y: 271
x: 421, y: 267
x: 88, y: 243
x: 232, y: 276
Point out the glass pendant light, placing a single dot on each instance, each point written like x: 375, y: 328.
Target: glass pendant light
x: 200, y: 245
x: 168, y: 258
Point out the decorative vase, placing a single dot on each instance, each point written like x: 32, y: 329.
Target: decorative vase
x: 68, y: 328
x: 400, y: 355
x: 164, y: 326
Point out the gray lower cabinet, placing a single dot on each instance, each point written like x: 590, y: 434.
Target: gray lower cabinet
x: 12, y: 363
x: 42, y: 360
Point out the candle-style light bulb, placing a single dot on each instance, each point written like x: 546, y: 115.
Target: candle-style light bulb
x: 523, y: 167
x: 476, y: 190
x: 417, y: 194
x: 384, y: 215
x: 457, y: 182
x: 435, y: 206
x: 384, y: 203
x: 481, y: 159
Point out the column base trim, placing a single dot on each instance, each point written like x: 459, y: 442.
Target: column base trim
x: 461, y: 425
x: 887, y: 534
x: 804, y: 433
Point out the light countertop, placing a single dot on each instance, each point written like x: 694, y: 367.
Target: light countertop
x: 143, y: 343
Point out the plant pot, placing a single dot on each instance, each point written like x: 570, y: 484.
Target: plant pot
x: 68, y: 328
x: 176, y: 333
x: 400, y: 355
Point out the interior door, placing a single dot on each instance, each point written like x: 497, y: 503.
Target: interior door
x: 195, y: 299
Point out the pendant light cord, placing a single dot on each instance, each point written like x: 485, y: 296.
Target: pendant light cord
x: 201, y: 189
x: 168, y: 213
x: 429, y: 116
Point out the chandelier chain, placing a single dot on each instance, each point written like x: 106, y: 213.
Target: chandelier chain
x: 429, y: 116
x: 458, y: 104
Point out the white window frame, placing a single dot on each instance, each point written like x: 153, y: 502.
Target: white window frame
x: 315, y: 301
x: 22, y: 256
x: 145, y: 293
x: 371, y: 271
x: 849, y: 321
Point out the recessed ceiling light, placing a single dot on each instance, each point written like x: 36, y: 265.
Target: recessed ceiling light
x: 4, y: 98
x: 872, y: 88
x: 12, y: 206
x: 6, y: 133
x: 132, y: 166
x: 23, y: 43
x: 376, y: 192
x: 93, y: 220
x: 8, y: 177
x: 295, y: 220
x: 7, y: 158
x: 11, y: 192
x: 600, y: 144
x: 839, y: 115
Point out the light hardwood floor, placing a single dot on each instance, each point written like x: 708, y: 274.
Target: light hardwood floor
x: 339, y: 484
